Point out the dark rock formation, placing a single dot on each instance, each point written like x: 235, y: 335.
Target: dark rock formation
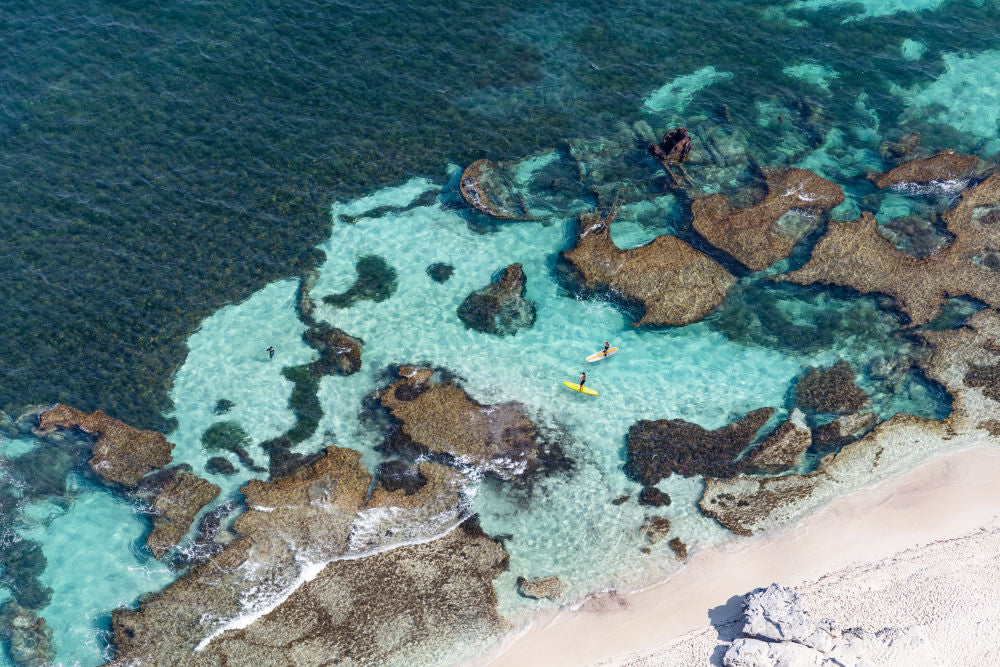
x: 784, y: 448
x: 209, y: 540
x: 222, y: 406
x: 986, y: 378
x: 674, y: 283
x: 830, y: 390
x: 620, y: 500
x: 440, y: 417
x: 543, y: 587
x: 218, y: 465
x: 655, y: 528
x: 122, y: 454
x: 499, y: 308
x: 488, y: 189
x: 281, y: 459
x: 656, y: 449
x: 396, y: 475
x: 855, y: 255
x: 440, y: 272
x: 674, y: 147
x: 339, y: 352
x: 945, y: 166
x: 679, y: 548
x: 754, y: 235
x: 28, y: 640
x: 367, y: 609
x: 175, y: 495
x: 376, y: 281
x: 653, y: 497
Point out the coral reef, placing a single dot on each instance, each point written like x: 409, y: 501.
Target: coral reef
x: 855, y: 255
x: 656, y: 449
x: 439, y: 417
x: 673, y: 282
x: 499, y: 308
x: 754, y: 236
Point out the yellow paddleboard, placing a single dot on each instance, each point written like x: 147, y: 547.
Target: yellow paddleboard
x: 597, y: 356
x: 583, y: 390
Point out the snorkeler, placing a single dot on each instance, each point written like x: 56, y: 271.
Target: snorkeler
x: 270, y: 352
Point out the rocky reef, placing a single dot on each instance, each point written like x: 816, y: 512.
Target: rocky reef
x: 27, y: 637
x: 499, y: 308
x: 945, y: 166
x: 542, y: 587
x: 657, y: 449
x: 377, y: 281
x: 440, y: 272
x: 122, y: 454
x: 748, y: 504
x: 486, y: 187
x: 779, y: 630
x: 830, y: 390
x: 174, y: 496
x: 754, y: 236
x: 438, y: 417
x: 784, y: 448
x: 327, y: 568
x: 855, y: 255
x: 674, y: 283
x: 339, y: 352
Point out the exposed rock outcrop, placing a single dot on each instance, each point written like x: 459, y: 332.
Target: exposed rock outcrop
x: 945, y: 166
x: 542, y: 587
x: 122, y: 454
x: 175, y: 495
x: 656, y: 449
x: 830, y: 390
x: 855, y: 255
x: 439, y: 417
x: 780, y: 631
x: 755, y: 235
x: 499, y: 308
x: 784, y: 448
x: 320, y: 571
x: 487, y: 188
x: 672, y: 281
x: 673, y: 147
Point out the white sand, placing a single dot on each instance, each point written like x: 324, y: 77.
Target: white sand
x: 922, y: 549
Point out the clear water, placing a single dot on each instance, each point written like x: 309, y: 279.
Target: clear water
x: 158, y: 221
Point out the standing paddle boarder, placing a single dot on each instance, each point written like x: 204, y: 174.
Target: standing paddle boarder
x: 583, y: 378
x: 604, y: 352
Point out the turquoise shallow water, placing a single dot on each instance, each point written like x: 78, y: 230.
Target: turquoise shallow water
x: 843, y: 77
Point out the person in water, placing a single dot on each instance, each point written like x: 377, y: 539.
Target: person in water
x: 605, y: 350
x: 270, y: 352
x: 583, y: 378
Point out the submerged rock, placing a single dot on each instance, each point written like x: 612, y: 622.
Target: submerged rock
x: 325, y: 571
x: 439, y: 417
x: 499, y: 308
x: 175, y: 495
x: 905, y: 146
x: 229, y: 436
x: 855, y: 255
x: 222, y: 406
x: 830, y: 390
x: 218, y: 465
x: 543, y: 587
x: 842, y: 430
x: 784, y: 448
x: 945, y: 166
x: 122, y: 454
x: 655, y: 528
x: 487, y: 188
x: 339, y: 352
x: 679, y: 548
x: 754, y: 235
x: 440, y: 272
x: 653, y: 497
x: 28, y: 639
x: 672, y: 281
x: 377, y: 281
x: 656, y: 449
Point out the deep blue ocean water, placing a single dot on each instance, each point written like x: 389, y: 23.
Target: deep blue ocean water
x: 159, y: 163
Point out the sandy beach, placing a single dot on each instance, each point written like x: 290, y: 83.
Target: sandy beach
x: 918, y: 549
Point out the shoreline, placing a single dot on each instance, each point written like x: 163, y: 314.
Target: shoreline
x: 947, y: 496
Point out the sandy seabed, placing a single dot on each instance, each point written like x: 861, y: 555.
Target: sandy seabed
x: 919, y: 549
